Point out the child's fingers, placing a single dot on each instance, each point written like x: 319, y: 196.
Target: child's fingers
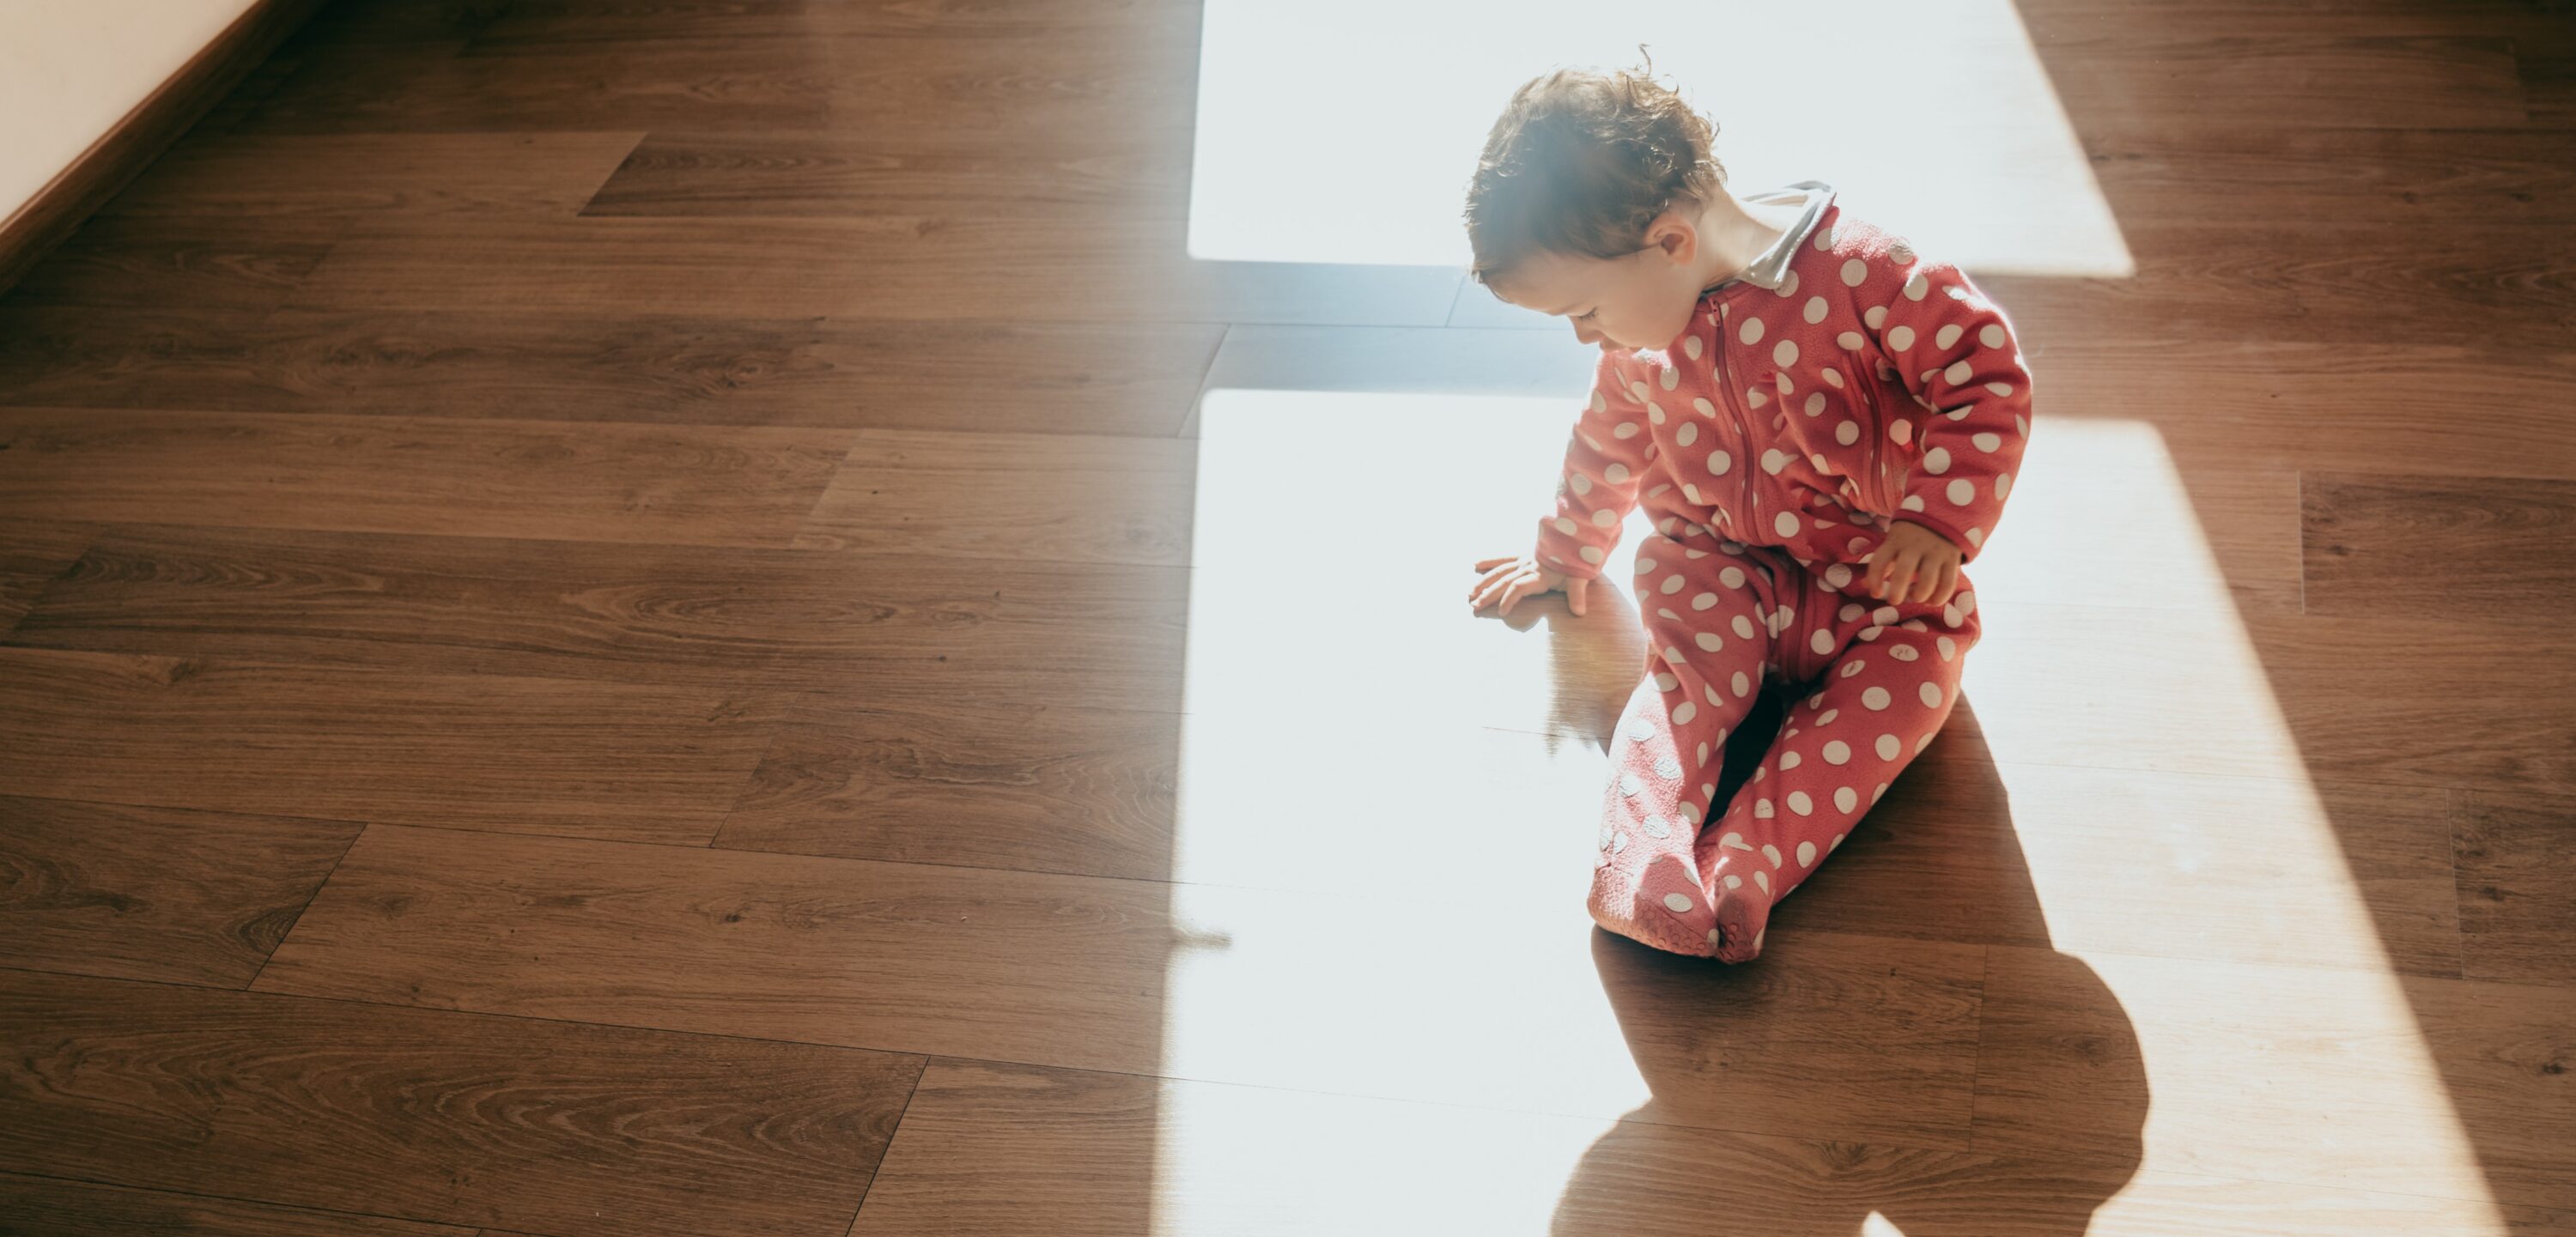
x: 1574, y: 594
x: 1488, y: 564
x: 1512, y: 595
x: 1900, y: 580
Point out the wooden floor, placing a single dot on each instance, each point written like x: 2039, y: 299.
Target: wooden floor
x: 690, y: 618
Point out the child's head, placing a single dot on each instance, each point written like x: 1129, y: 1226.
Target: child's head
x: 1587, y: 203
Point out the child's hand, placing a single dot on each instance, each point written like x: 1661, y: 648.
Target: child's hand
x: 1914, y: 564
x: 1507, y: 580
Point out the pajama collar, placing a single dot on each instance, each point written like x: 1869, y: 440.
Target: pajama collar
x: 1772, y: 267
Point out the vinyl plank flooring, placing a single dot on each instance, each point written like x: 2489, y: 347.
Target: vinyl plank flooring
x: 2517, y: 885
x: 2500, y: 543
x: 1023, y: 377
x: 223, y: 266
x: 1043, y: 497
x: 2156, y: 169
x: 149, y: 893
x: 56, y: 1208
x: 479, y: 174
x: 985, y: 1147
x: 1075, y: 179
x: 592, y: 482
x: 443, y: 1118
x: 1840, y: 1037
x: 2297, y: 80
x: 531, y: 25
x: 876, y: 630
x: 540, y: 755
x: 912, y: 269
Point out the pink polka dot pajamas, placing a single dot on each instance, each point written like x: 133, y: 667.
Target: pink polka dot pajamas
x: 1841, y: 383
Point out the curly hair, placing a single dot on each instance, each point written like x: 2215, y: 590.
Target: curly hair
x: 1581, y: 162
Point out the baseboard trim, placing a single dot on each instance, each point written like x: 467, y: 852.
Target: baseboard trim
x: 78, y: 191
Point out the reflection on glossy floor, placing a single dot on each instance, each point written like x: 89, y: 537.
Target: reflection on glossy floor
x: 691, y: 618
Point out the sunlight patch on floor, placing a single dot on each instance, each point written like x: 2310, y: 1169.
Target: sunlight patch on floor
x: 1345, y: 131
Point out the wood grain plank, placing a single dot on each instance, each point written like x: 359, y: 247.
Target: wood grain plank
x: 922, y: 268
x: 2256, y: 1075
x: 1071, y: 78
x: 1073, y: 178
x: 149, y: 893
x: 217, y: 265
x: 2311, y: 78
x: 32, y: 553
x: 446, y: 1118
x: 374, y: 174
x: 877, y: 630
x: 1031, y: 377
x: 2517, y: 887
x: 984, y: 1147
x: 2501, y: 542
x: 2161, y: 168
x: 33, y: 1206
x: 732, y: 486
x: 542, y: 755
x: 1065, y: 790
x: 1050, y: 498
x: 539, y: 24
x: 1181, y: 980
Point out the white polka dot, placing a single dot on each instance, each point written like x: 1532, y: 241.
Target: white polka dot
x: 1815, y: 403
x: 1579, y: 483
x: 1827, y: 717
x: 1806, y: 854
x: 1708, y: 641
x: 1691, y: 346
x: 2021, y: 424
x: 1846, y: 798
x: 1801, y: 804
x: 1838, y: 753
x: 1847, y: 433
x: 1901, y: 430
x: 1788, y: 287
x: 1677, y: 903
x: 1703, y: 601
x: 1850, y: 341
x: 1637, y: 388
x: 1838, y: 841
x: 2003, y: 486
x: 1626, y: 429
x: 1916, y: 287
x: 1920, y: 744
x: 1742, y: 685
x: 1987, y: 442
x: 1824, y: 240
x: 1655, y: 412
x: 1977, y: 537
x: 1785, y: 524
x: 1823, y: 642
x: 1911, y: 503
x: 1888, y: 747
x: 1948, y: 335
x: 1815, y: 310
x: 1666, y: 682
x: 1604, y: 518
x: 1719, y: 462
x: 1962, y: 492
x: 1905, y: 652
x: 1931, y: 694
x: 1672, y: 655
x: 1875, y: 699
x: 1771, y: 853
x: 1615, y: 474
x: 1774, y: 460
x: 1851, y: 668
x: 1733, y: 881
x: 1874, y: 317
x: 1991, y: 336
x: 1854, y: 272
x: 1655, y: 827
x: 1786, y: 353
x: 1763, y: 879
x: 1703, y: 748
x: 1567, y: 526
x: 1672, y: 585
x: 1839, y: 576
x: 1949, y: 647
x: 1632, y: 785
x: 1958, y: 372
x: 1669, y: 377
x: 1784, y: 382
x: 1591, y: 554
x: 1709, y: 690
x: 1755, y: 397
x: 1936, y: 461
x: 1751, y: 331
x: 1901, y: 338
x: 1732, y: 577
x: 2000, y: 388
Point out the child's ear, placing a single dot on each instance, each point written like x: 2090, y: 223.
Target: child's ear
x: 1675, y: 236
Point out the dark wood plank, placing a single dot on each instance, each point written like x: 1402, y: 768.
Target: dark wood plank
x: 451, y: 1118
x: 1066, y: 790
x: 353, y: 174
x: 882, y: 629
x: 30, y: 1206
x: 1075, y: 179
x: 2499, y: 543
x: 541, y: 755
x: 2155, y: 169
x: 929, y: 268
x: 1067, y: 80
x: 1048, y: 498
x: 150, y: 893
x: 32, y: 553
x: 2313, y: 78
x: 732, y: 486
x: 538, y: 24
x: 2517, y: 887
x: 1001, y: 965
x: 1034, y: 377
x: 227, y: 266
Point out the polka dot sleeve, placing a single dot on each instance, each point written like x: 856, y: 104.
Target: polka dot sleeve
x: 1605, y: 460
x: 1953, y: 349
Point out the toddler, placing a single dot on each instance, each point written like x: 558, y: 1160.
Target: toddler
x: 1822, y: 424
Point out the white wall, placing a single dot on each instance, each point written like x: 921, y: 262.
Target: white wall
x: 71, y: 69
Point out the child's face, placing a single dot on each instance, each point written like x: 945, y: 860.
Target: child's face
x: 1643, y: 300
